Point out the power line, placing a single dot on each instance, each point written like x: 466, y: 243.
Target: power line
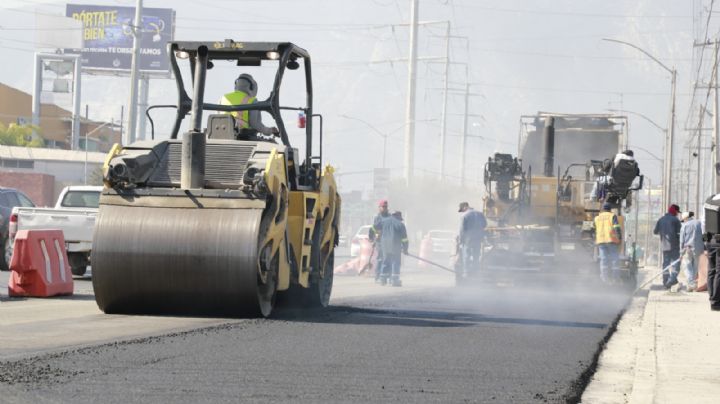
x: 567, y: 56
x: 575, y: 90
x: 568, y: 13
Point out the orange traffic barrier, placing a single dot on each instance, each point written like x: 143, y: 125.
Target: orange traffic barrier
x: 702, y: 273
x: 39, y: 265
x: 366, y: 258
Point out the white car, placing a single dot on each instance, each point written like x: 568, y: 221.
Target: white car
x: 74, y: 214
x: 362, y: 236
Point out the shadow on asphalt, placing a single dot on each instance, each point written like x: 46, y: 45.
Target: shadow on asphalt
x: 414, y: 318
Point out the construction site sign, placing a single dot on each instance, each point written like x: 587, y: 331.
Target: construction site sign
x: 107, y: 33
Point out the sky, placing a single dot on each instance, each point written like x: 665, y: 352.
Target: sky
x: 523, y: 57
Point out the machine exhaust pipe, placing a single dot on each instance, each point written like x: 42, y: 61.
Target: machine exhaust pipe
x: 192, y: 169
x: 549, y: 146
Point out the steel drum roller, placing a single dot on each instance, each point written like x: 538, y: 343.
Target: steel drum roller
x: 189, y: 261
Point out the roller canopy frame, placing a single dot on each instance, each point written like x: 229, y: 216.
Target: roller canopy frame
x: 246, y: 54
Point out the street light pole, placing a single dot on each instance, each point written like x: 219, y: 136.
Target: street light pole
x: 134, y: 71
x: 670, y: 137
x: 649, y: 220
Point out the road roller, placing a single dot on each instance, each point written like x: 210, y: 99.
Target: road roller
x: 219, y: 220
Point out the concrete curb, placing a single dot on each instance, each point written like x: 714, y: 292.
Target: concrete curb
x: 627, y: 367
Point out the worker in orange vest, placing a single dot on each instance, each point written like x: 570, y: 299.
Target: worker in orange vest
x: 608, y: 236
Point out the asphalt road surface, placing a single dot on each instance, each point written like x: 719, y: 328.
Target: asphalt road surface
x: 425, y: 342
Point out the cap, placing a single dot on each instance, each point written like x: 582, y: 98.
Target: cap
x: 462, y: 206
x: 397, y: 214
x: 685, y: 216
x: 607, y: 206
x: 383, y: 203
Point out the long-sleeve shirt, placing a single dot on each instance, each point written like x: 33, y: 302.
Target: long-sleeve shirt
x: 691, y: 236
x: 375, y: 229
x: 393, y: 235
x: 668, y: 227
x: 257, y: 123
x: 472, y: 226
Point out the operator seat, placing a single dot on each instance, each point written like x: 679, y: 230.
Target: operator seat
x: 221, y: 126
x: 623, y: 175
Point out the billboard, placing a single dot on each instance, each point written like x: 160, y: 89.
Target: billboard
x: 108, y: 39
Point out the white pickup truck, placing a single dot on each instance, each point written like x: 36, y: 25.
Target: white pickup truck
x: 74, y: 214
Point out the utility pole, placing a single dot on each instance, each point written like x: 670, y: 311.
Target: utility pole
x: 699, y: 179
x: 443, y: 118
x: 134, y: 68
x: 410, y: 103
x: 716, y: 123
x: 463, y: 144
x: 667, y: 183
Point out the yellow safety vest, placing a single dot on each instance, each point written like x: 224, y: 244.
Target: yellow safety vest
x: 239, y: 98
x: 607, y: 228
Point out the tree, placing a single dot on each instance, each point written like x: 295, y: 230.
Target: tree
x: 19, y: 135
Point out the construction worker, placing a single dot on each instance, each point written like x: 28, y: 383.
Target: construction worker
x: 472, y: 231
x: 608, y: 236
x: 394, y: 242
x: 618, y: 175
x: 374, y: 236
x: 668, y: 228
x: 249, y: 123
x: 691, y: 243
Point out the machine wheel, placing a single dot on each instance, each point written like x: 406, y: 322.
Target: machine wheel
x: 321, y: 280
x: 78, y: 263
x: 267, y: 290
x: 321, y: 288
x: 6, y: 256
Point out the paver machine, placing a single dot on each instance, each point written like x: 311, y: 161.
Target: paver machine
x: 216, y: 220
x: 544, y: 223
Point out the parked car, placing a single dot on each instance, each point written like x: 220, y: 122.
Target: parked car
x: 362, y: 236
x: 437, y: 246
x: 342, y: 240
x: 9, y: 198
x: 74, y: 214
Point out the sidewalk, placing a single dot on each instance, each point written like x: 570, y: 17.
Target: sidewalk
x: 666, y: 350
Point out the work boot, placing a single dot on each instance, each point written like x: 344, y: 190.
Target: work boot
x: 383, y: 281
x: 396, y: 282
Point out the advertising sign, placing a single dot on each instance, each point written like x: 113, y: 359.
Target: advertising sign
x: 108, y: 38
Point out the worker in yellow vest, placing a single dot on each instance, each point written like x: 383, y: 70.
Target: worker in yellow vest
x: 245, y: 93
x: 608, y: 236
